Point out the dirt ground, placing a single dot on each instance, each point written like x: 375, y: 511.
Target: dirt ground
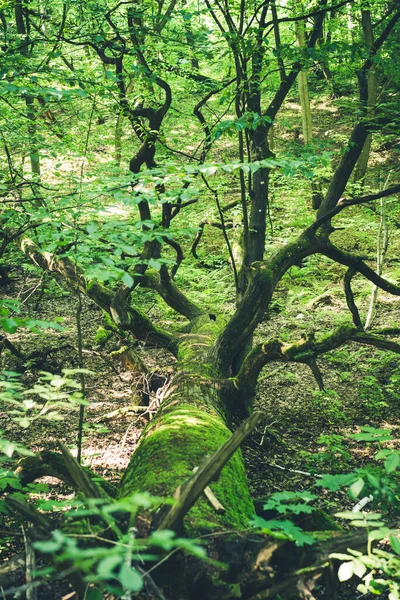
x: 282, y: 453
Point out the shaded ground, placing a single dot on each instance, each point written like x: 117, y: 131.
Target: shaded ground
x: 358, y: 384
x: 297, y: 413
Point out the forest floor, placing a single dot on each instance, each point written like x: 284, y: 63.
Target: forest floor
x: 306, y: 430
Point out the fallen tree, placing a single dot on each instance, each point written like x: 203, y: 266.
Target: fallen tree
x: 217, y: 366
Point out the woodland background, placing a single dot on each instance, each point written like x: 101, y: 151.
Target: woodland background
x: 199, y: 235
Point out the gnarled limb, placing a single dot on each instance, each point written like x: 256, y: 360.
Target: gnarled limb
x: 80, y: 477
x: 124, y: 315
x: 350, y: 298
x: 262, y: 278
x: 171, y: 294
x: 200, y: 232
x: 357, y: 264
x: 52, y: 464
x: 345, y: 202
x: 305, y: 351
x: 345, y: 169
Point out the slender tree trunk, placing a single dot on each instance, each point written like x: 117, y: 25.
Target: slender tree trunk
x: 382, y: 244
x: 34, y: 155
x: 306, y: 111
x: 119, y: 127
x: 362, y: 164
x: 22, y: 23
x: 303, y: 88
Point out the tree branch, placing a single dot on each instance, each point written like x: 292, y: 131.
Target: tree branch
x: 306, y: 351
x: 357, y: 264
x: 116, y: 304
x: 345, y: 202
x: 171, y: 294
x: 350, y: 298
x: 188, y: 493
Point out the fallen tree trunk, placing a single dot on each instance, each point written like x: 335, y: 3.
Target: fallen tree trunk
x: 192, y: 423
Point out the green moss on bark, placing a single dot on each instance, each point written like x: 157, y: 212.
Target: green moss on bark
x: 169, y: 450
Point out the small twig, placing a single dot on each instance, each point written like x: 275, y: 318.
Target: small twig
x: 350, y: 297
x: 79, y: 476
x: 382, y: 244
x: 317, y: 374
x: 266, y: 428
x: 151, y: 583
x: 294, y: 470
x: 215, y: 503
x: 81, y: 374
x: 30, y: 566
x: 360, y: 505
x: 228, y: 244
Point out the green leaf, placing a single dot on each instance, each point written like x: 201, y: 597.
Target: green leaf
x: 392, y: 462
x: 395, y: 542
x: 49, y: 546
x: 127, y: 280
x: 107, y: 565
x: 348, y: 514
x: 130, y: 578
x: 378, y: 534
x: 9, y: 325
x: 346, y: 571
x: 365, y: 523
x: 356, y: 488
x: 374, y: 481
x: 359, y: 568
x: 333, y: 483
x: 340, y: 556
x: 383, y: 453
x: 93, y: 594
x: 372, y: 434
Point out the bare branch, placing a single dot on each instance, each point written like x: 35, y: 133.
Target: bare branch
x: 350, y: 298
x: 306, y: 351
x: 171, y: 294
x: 80, y: 477
x: 187, y: 494
x: 345, y: 202
x: 357, y: 264
x: 124, y: 315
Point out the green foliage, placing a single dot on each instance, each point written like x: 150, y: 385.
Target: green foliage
x: 283, y: 530
x: 373, y: 395
x: 329, y: 406
x: 378, y: 569
x: 50, y: 395
x: 333, y: 454
x: 111, y: 565
x: 10, y: 322
x: 289, y: 504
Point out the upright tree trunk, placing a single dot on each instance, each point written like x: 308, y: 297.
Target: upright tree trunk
x: 34, y: 155
x: 362, y: 164
x: 303, y: 87
x: 22, y: 23
x: 306, y: 111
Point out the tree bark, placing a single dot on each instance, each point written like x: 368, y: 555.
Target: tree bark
x: 371, y: 84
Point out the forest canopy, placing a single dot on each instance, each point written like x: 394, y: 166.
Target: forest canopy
x: 199, y: 252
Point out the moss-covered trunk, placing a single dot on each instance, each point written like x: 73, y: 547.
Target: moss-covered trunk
x: 191, y: 424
